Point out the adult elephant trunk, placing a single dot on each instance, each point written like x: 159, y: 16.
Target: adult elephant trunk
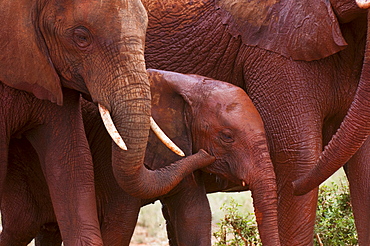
x: 264, y: 193
x: 130, y: 113
x: 350, y: 136
x: 141, y: 182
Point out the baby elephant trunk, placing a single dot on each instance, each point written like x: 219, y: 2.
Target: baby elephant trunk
x: 264, y: 193
x: 262, y: 183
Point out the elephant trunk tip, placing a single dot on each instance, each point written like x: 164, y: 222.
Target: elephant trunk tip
x: 147, y: 184
x: 300, y: 187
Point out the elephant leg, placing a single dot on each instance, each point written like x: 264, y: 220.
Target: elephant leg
x: 66, y: 161
x: 296, y: 214
x: 119, y: 219
x: 18, y: 217
x: 49, y: 235
x: 18, y: 210
x: 358, y: 173
x: 26, y: 204
x: 170, y: 228
x: 7, y: 239
x: 294, y: 152
x: 189, y: 213
x: 4, y: 148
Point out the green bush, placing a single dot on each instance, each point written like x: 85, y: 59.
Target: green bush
x: 334, y: 221
x: 236, y: 229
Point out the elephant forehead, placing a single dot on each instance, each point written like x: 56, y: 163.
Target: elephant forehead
x: 225, y: 113
x: 230, y: 99
x: 110, y: 15
x: 231, y: 106
x: 232, y: 109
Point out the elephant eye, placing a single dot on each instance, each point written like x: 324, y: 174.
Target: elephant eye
x: 226, y: 136
x: 82, y: 37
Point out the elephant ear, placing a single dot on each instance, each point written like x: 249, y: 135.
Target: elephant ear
x: 25, y: 63
x: 168, y: 111
x: 301, y: 30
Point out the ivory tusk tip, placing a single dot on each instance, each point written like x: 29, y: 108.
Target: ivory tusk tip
x: 109, y: 125
x: 180, y: 153
x: 243, y: 183
x: 120, y: 143
x: 163, y: 137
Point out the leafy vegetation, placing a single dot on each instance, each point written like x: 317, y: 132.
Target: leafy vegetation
x: 334, y: 221
x: 236, y: 229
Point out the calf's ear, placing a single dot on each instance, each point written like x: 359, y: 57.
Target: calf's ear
x: 25, y: 63
x: 168, y: 110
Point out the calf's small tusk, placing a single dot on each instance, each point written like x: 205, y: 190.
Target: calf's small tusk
x: 162, y: 136
x: 109, y: 125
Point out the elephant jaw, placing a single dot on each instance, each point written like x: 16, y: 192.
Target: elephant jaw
x: 112, y: 130
x: 364, y: 4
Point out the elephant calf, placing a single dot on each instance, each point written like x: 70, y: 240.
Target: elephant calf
x: 196, y: 113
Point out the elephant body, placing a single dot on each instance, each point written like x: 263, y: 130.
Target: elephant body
x: 195, y: 113
x: 42, y: 122
x: 49, y: 50
x: 59, y: 49
x: 299, y: 61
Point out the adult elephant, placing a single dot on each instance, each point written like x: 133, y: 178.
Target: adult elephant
x: 56, y: 50
x: 301, y: 64
x: 197, y: 112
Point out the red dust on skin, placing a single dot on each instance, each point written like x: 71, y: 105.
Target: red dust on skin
x: 231, y: 107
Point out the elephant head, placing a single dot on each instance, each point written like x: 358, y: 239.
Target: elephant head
x: 201, y: 113
x: 95, y: 47
x: 354, y: 128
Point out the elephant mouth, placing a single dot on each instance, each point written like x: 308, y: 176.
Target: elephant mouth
x: 238, y: 181
x: 218, y: 169
x: 116, y: 137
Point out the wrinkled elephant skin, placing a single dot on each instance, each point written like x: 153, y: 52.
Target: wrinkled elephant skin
x: 51, y: 51
x: 299, y: 61
x: 42, y: 122
x: 196, y: 113
x: 55, y: 50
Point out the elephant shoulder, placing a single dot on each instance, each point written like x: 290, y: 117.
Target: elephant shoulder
x: 301, y: 30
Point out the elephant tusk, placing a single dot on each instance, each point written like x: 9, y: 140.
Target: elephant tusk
x: 109, y: 125
x: 364, y: 4
x: 162, y: 136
